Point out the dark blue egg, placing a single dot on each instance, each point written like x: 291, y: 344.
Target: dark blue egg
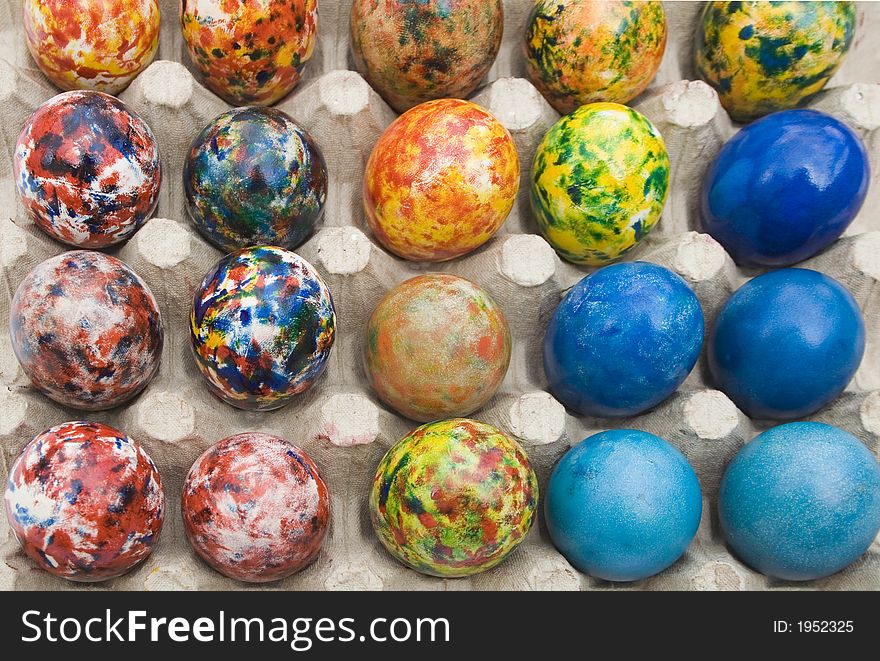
x: 801, y: 501
x: 785, y: 187
x: 622, y: 340
x: 786, y: 344
x: 623, y: 505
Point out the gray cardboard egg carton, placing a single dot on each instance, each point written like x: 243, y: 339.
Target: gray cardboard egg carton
x: 339, y: 421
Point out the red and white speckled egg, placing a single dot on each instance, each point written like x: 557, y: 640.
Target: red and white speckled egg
x: 255, y: 508
x: 85, y: 501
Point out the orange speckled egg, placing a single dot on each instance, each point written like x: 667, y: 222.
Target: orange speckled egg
x: 437, y: 346
x: 250, y: 52
x: 440, y: 181
x: 92, y: 44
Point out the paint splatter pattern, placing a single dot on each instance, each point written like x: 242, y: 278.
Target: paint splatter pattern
x: 87, y: 169
x: 453, y: 498
x: 411, y: 52
x: 440, y: 181
x: 599, y: 182
x: 766, y: 56
x: 255, y: 508
x: 85, y: 501
x: 86, y: 330
x: 92, y: 44
x: 253, y: 177
x: 250, y: 52
x: 437, y: 346
x: 262, y: 327
x: 585, y: 51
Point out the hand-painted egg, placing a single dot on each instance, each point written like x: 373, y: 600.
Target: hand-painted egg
x: 86, y: 330
x: 801, y: 501
x: 437, y: 346
x: 412, y: 52
x: 262, y: 327
x: 440, y: 181
x: 599, y: 182
x: 453, y: 498
x: 250, y: 52
x: 253, y: 177
x: 766, y: 56
x: 255, y: 508
x: 87, y: 169
x: 85, y: 501
x: 785, y: 187
x: 584, y: 51
x: 786, y: 344
x: 623, y: 505
x: 622, y: 340
x: 92, y: 44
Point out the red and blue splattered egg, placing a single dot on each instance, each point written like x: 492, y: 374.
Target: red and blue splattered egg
x: 87, y: 169
x: 85, y: 501
x: 86, y: 330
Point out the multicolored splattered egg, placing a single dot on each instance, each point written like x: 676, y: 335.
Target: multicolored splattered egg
x: 453, y: 498
x: 262, y: 327
x: 255, y: 508
x: 92, y: 44
x: 86, y: 330
x: 87, y: 169
x: 437, y: 346
x: 440, y: 181
x: 85, y: 501
x: 250, y: 52
x: 412, y: 52
x: 253, y: 177
x: 766, y: 56
x: 584, y: 51
x: 599, y: 182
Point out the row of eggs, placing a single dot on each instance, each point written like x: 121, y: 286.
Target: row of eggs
x: 761, y: 57
x: 87, y: 332
x: 442, y: 179
x: 451, y: 499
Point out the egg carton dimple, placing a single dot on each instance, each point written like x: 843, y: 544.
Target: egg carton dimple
x: 339, y: 422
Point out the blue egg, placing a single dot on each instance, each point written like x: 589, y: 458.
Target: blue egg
x: 801, y: 501
x: 623, y: 505
x: 622, y: 340
x: 785, y: 187
x: 786, y: 344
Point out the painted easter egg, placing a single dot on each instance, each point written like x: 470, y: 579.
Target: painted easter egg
x: 250, y: 52
x: 801, y: 501
x: 87, y: 169
x: 599, y: 182
x: 85, y: 501
x: 255, y: 508
x: 92, y: 44
x: 411, y: 52
x: 453, y: 498
x: 437, y: 346
x: 622, y: 340
x: 584, y: 51
x: 441, y: 180
x: 786, y: 344
x: 86, y: 330
x: 253, y: 177
x: 785, y: 187
x: 262, y: 327
x: 766, y: 56
x: 623, y: 505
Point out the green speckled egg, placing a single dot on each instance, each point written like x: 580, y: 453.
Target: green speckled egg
x: 599, y: 182
x: 766, y: 56
x: 583, y: 51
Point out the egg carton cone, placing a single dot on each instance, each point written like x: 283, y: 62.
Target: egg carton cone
x: 339, y: 421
